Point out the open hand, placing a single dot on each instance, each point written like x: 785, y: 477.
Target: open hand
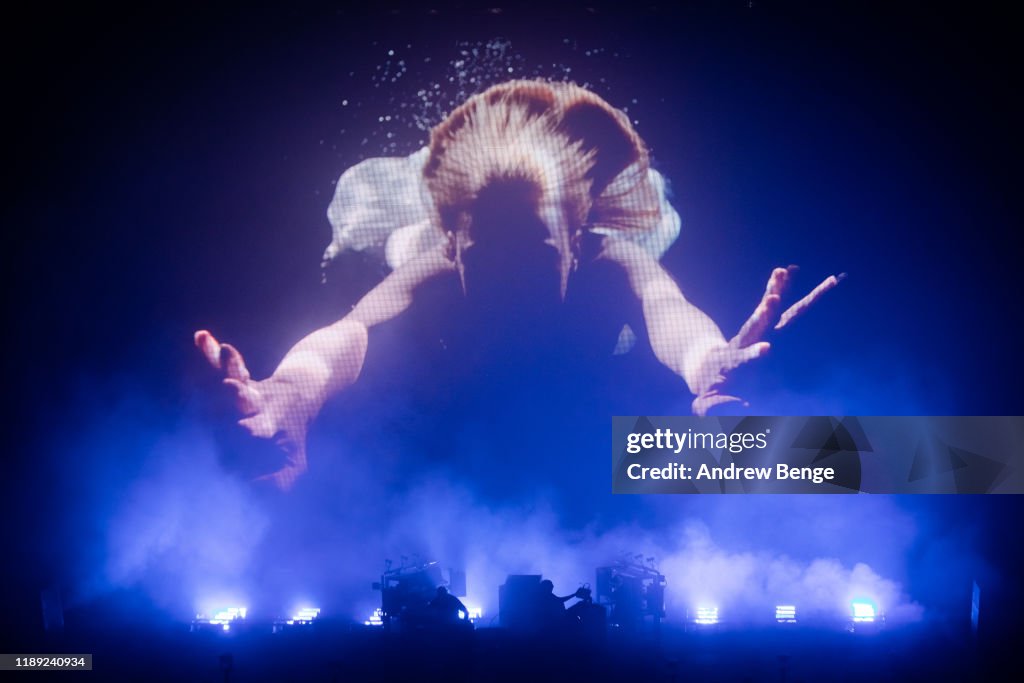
x: 271, y: 409
x: 748, y: 343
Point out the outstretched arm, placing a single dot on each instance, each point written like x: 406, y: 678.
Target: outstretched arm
x: 281, y: 407
x: 686, y: 340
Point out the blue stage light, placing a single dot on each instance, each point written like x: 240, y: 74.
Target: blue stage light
x: 226, y: 615
x: 785, y: 614
x: 300, y: 618
x: 706, y: 616
x: 863, y: 611
x: 222, y: 617
x: 376, y: 619
x: 474, y: 613
x: 305, y: 615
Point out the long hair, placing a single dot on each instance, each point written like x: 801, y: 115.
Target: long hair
x: 572, y: 160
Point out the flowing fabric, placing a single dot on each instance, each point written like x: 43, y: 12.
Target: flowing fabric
x: 381, y: 206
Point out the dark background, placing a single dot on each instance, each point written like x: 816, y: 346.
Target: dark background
x: 169, y: 169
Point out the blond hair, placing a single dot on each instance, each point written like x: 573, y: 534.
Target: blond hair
x: 588, y: 165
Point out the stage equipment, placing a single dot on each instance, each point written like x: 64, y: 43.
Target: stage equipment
x: 785, y: 614
x: 634, y: 591
x: 706, y: 616
x: 516, y: 598
x: 407, y: 590
x: 302, y: 618
x: 863, y: 612
x: 865, y: 617
x: 221, y: 619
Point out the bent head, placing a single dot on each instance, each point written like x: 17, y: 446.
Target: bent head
x: 518, y: 172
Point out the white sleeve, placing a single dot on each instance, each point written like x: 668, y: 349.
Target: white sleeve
x: 381, y: 206
x: 635, y: 207
x: 666, y: 230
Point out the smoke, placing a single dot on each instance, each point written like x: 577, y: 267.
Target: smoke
x: 744, y: 584
x: 748, y: 584
x: 147, y: 506
x: 190, y: 535
x: 185, y: 528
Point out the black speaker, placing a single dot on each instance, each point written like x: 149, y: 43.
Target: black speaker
x: 516, y: 599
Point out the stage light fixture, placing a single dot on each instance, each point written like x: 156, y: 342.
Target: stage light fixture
x: 222, y: 617
x: 863, y: 611
x: 785, y: 614
x: 376, y: 619
x: 474, y: 613
x: 305, y: 615
x: 228, y: 614
x: 301, y: 618
x: 706, y: 616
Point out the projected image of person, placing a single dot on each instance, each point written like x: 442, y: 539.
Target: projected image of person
x: 523, y: 189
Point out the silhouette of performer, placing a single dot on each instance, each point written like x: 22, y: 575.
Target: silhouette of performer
x: 522, y: 188
x: 585, y: 617
x: 446, y: 607
x: 551, y: 608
